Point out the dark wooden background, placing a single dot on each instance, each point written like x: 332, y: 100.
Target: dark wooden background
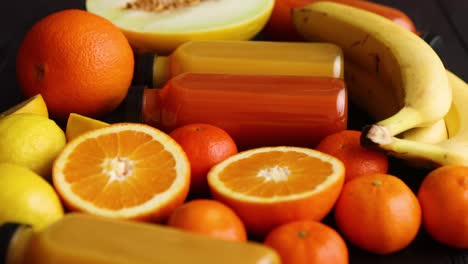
x: 447, y: 18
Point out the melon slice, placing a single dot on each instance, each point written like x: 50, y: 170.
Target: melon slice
x: 162, y: 25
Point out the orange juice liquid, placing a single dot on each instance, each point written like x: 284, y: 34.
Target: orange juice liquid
x: 250, y: 57
x: 254, y: 110
x: 86, y: 239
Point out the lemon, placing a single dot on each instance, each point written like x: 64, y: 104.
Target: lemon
x: 26, y: 197
x: 30, y: 140
x: 78, y: 124
x: 34, y: 105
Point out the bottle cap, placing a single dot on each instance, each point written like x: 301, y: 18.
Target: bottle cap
x: 143, y: 72
x: 130, y: 110
x: 434, y: 40
x: 7, y: 231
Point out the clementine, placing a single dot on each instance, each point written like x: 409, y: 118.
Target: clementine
x: 123, y: 170
x: 443, y: 195
x: 205, y: 146
x: 378, y: 212
x: 345, y: 145
x: 270, y: 186
x: 307, y: 242
x: 210, y: 218
x: 79, y: 62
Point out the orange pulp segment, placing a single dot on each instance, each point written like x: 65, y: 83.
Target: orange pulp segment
x: 126, y: 170
x: 270, y: 186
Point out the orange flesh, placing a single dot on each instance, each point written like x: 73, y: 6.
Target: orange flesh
x: 113, y: 173
x: 289, y: 173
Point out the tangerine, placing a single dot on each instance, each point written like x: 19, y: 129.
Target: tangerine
x: 210, y: 218
x: 345, y: 145
x: 443, y: 195
x: 205, y: 145
x: 378, y: 212
x: 307, y: 242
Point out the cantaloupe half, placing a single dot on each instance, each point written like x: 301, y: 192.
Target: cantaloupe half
x: 164, y: 30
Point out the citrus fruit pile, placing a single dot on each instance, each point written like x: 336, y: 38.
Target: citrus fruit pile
x: 76, y: 66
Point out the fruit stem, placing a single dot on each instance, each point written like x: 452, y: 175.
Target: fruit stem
x: 376, y: 183
x: 302, y: 233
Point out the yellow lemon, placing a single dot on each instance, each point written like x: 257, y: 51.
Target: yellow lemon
x: 26, y: 197
x: 78, y: 124
x: 34, y: 105
x: 30, y: 140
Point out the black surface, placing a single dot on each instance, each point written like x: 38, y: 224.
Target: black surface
x: 446, y: 18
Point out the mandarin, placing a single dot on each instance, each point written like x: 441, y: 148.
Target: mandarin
x: 378, y: 212
x: 443, y: 195
x: 210, y: 218
x: 345, y: 145
x: 205, y: 145
x: 79, y: 62
x: 270, y: 186
x: 307, y: 242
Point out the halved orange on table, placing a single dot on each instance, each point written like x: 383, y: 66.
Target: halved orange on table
x: 126, y: 170
x: 270, y: 186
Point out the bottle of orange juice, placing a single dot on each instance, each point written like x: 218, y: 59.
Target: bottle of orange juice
x: 242, y: 57
x: 256, y: 110
x: 85, y: 239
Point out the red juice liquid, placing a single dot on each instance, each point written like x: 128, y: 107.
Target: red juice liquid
x: 255, y: 110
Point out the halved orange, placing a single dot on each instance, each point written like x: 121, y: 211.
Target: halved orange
x: 270, y: 186
x: 125, y: 170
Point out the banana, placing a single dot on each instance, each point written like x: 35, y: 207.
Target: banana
x: 401, y: 60
x: 454, y: 150
x: 377, y: 99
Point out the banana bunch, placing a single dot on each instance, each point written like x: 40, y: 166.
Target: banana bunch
x: 397, y: 78
x: 452, y: 151
x: 393, y: 74
x: 377, y: 99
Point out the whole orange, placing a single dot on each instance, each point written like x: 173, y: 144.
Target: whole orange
x: 210, y: 218
x: 307, y: 242
x: 205, y: 145
x: 443, y: 196
x: 79, y: 62
x: 345, y: 145
x: 378, y: 212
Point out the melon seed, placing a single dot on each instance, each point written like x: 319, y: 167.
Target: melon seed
x: 160, y: 5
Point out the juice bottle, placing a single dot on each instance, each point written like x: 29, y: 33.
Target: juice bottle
x: 280, y: 26
x: 256, y: 111
x: 242, y: 57
x: 85, y: 239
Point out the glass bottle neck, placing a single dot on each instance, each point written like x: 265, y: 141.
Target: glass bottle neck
x: 18, y: 245
x: 151, y: 111
x: 161, y: 71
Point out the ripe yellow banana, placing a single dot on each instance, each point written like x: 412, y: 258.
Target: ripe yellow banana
x: 454, y: 150
x: 399, y: 58
x: 378, y: 99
